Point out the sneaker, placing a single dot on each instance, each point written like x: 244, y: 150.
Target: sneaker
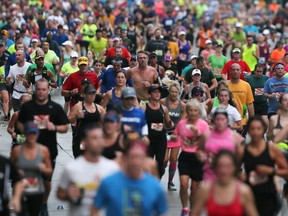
x: 185, y: 212
x: 44, y: 210
x: 171, y: 187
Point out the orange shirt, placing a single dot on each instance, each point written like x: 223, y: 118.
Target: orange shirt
x: 204, y: 35
x: 277, y: 55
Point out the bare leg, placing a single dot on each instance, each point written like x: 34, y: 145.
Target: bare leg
x: 184, y: 184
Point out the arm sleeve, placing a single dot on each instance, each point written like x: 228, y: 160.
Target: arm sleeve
x: 236, y: 115
x: 67, y: 85
x: 266, y: 88
x: 65, y: 180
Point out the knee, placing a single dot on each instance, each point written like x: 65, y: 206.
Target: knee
x: 184, y: 185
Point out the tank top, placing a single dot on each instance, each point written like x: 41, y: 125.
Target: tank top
x: 235, y: 208
x: 184, y: 49
x: 89, y: 118
x: 278, y: 124
x: 201, y: 85
x: 66, y: 58
x: 259, y: 184
x: 110, y: 152
x: 248, y: 57
x: 174, y: 114
x: 31, y: 172
x: 114, y: 100
x: 155, y: 123
x: 131, y: 34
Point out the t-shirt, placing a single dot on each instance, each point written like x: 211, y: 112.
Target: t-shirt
x: 257, y: 85
x: 157, y: 46
x: 67, y: 68
x: 49, y: 57
x: 274, y: 85
x: 189, y: 142
x: 135, y: 118
x: 242, y: 94
x: 277, y: 55
x: 98, y: 45
x: 233, y: 114
x: 86, y: 176
x: 248, y: 56
x: 75, y: 79
x: 17, y: 74
x: 217, y: 63
x: 243, y: 65
x: 120, y: 195
x: 204, y: 35
x: 41, y: 115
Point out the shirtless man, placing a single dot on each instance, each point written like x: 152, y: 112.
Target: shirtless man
x: 143, y: 76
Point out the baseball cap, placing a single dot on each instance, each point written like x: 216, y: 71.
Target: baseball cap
x: 279, y: 43
x: 74, y: 54
x: 238, y: 25
x: 39, y: 54
x: 68, y: 42
x: 196, y: 71
x: 117, y: 61
x: 153, y: 88
x: 266, y: 32
x: 193, y: 57
x: 128, y: 92
x: 112, y: 116
x: 208, y: 41
x: 89, y: 89
x: 182, y: 33
x: 85, y: 81
x: 34, y: 40
x: 65, y: 27
x: 168, y: 58
x: 133, y: 58
x: 196, y: 90
x: 116, y: 39
x: 236, y: 50
x: 31, y: 128
x: 83, y: 60
x: 152, y: 55
x: 5, y: 32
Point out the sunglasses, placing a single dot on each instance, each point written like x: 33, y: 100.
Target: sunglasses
x: 198, y: 94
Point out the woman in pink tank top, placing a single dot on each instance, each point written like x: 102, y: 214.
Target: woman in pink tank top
x: 221, y: 137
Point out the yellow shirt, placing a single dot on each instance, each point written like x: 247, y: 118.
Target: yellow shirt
x: 98, y: 46
x: 248, y: 56
x: 88, y: 31
x: 242, y: 94
x: 2, y: 74
x: 173, y: 48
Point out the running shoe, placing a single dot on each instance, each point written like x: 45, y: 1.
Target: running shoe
x: 171, y: 187
x: 185, y: 212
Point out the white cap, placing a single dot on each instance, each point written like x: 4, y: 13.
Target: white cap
x: 182, y: 33
x: 69, y: 43
x: 238, y: 25
x: 74, y: 54
x: 65, y: 27
x: 266, y: 32
x: 208, y: 41
x: 196, y: 71
x: 193, y: 56
x: 34, y: 40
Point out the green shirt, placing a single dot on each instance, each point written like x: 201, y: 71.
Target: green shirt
x: 217, y: 63
x: 257, y: 86
x: 2, y: 74
x: 67, y: 68
x: 34, y: 66
x: 98, y: 45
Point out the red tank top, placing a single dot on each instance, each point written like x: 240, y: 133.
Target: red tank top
x: 235, y: 208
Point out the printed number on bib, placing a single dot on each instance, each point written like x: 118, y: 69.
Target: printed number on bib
x: 157, y: 126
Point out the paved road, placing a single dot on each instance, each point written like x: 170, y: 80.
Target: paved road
x: 64, y: 157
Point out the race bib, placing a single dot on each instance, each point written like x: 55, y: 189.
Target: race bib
x: 258, y: 91
x: 157, y: 126
x: 33, y: 185
x: 159, y: 52
x: 189, y: 142
x: 256, y: 179
x: 182, y: 56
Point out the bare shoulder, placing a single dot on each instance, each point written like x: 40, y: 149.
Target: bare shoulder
x: 245, y: 190
x: 100, y: 108
x: 162, y: 101
x: 273, y: 118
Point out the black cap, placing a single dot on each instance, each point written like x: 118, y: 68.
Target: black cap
x: 89, y: 89
x: 197, y: 89
x: 153, y: 88
x: 85, y: 81
x: 152, y: 55
x: 133, y: 58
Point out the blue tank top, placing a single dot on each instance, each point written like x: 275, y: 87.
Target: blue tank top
x: 115, y: 100
x: 184, y: 49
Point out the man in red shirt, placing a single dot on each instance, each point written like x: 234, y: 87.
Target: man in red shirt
x: 73, y: 83
x: 111, y: 52
x: 245, y: 70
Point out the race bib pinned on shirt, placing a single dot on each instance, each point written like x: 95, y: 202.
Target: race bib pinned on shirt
x: 157, y: 126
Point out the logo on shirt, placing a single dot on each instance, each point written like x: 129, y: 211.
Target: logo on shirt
x: 41, y: 121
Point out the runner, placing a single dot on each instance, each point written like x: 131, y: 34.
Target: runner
x: 84, y: 113
x: 190, y: 131
x: 33, y: 161
x: 177, y: 112
x: 81, y: 178
x: 158, y: 120
x: 131, y: 191
x: 226, y: 195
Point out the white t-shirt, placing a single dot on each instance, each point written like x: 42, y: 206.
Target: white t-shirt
x: 87, y: 176
x: 17, y: 74
x: 233, y: 114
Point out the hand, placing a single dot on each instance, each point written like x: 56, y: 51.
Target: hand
x: 173, y: 138
x: 42, y: 167
x: 201, y: 155
x: 14, y: 135
x: 80, y: 114
x: 74, y: 91
x: 145, y: 140
x: 264, y: 170
x: 51, y: 126
x: 73, y: 192
x: 146, y: 84
x: 195, y: 130
x: 15, y: 205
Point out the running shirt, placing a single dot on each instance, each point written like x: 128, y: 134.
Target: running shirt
x: 67, y: 68
x: 87, y: 176
x: 2, y: 75
x: 243, y: 64
x: 217, y: 64
x: 233, y: 114
x: 248, y: 56
x: 257, y: 85
x: 136, y: 119
x: 189, y: 141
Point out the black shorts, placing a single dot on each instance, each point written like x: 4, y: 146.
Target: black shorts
x: 188, y: 164
x: 261, y: 109
x: 3, y: 87
x: 67, y: 99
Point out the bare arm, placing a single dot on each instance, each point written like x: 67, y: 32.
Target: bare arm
x: 52, y: 83
x: 11, y: 125
x: 237, y: 126
x: 106, y: 98
x: 248, y: 201
x: 202, y: 196
x: 270, y: 135
x: 168, y: 121
x: 250, y: 109
x: 214, y: 84
x: 47, y: 168
x: 102, y: 113
x: 73, y: 113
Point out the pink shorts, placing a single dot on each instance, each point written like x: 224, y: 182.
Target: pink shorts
x: 171, y: 144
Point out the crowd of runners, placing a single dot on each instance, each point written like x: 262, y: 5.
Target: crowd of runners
x: 148, y: 87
